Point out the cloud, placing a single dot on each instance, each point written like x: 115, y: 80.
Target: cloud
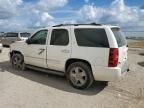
x: 12, y: 25
x: 121, y: 13
x: 86, y: 1
x: 116, y: 13
x: 42, y: 19
x: 91, y: 13
x: 45, y: 16
x: 38, y: 14
x: 142, y: 7
x: 8, y: 8
x: 20, y: 15
x: 46, y: 5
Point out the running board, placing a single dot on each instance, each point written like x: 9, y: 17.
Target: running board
x: 46, y: 70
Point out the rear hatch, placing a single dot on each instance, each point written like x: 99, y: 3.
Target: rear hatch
x: 122, y: 46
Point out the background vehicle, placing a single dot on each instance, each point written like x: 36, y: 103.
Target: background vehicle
x: 0, y: 48
x: 1, y: 35
x: 11, y: 37
x: 82, y: 52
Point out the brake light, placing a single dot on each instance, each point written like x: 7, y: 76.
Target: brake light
x: 113, y: 57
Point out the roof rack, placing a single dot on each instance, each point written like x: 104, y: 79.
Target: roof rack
x: 95, y: 24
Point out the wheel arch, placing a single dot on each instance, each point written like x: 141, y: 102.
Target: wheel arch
x: 72, y: 60
x: 14, y: 52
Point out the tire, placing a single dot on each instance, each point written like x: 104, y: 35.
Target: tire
x: 79, y: 75
x: 17, y: 61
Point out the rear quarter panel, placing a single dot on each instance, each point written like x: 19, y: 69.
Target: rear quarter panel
x: 96, y: 56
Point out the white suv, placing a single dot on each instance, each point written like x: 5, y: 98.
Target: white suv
x: 81, y: 52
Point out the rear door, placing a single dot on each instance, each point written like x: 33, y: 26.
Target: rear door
x: 122, y: 45
x: 59, y: 49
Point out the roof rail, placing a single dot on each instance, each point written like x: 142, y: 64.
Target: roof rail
x: 64, y: 25
x: 95, y: 24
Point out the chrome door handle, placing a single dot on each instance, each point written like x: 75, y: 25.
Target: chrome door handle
x: 65, y: 51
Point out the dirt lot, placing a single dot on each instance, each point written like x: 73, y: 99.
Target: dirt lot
x: 31, y: 89
x: 136, y: 43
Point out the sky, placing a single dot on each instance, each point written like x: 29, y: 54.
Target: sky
x: 26, y: 15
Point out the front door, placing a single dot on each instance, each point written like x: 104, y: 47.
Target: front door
x: 35, y: 51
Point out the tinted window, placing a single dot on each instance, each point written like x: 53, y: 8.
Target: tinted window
x: 25, y: 34
x: 59, y: 37
x: 121, y: 40
x: 12, y: 35
x: 91, y: 37
x: 39, y: 37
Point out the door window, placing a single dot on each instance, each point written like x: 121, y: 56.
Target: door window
x: 59, y: 37
x: 121, y: 40
x: 39, y: 37
x: 91, y: 37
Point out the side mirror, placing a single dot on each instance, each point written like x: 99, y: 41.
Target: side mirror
x: 28, y: 41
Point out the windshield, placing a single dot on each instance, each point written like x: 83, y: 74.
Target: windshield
x: 121, y: 40
x: 25, y: 34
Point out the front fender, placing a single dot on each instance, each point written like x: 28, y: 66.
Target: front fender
x: 17, y: 47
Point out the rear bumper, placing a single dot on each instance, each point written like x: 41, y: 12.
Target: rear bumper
x: 109, y: 73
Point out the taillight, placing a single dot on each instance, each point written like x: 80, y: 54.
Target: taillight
x: 113, y: 57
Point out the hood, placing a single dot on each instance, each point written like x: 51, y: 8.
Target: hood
x: 17, y: 43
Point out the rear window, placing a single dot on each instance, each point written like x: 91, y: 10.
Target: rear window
x: 121, y: 40
x: 12, y: 35
x: 91, y: 37
x: 25, y: 34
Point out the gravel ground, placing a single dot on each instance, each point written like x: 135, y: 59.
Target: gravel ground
x: 33, y: 89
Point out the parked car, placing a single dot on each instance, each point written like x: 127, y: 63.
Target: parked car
x: 1, y: 35
x: 81, y: 52
x: 1, y: 48
x: 11, y: 37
